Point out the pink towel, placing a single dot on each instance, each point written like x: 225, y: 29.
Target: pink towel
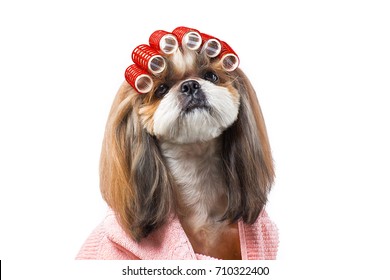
x: 108, y: 241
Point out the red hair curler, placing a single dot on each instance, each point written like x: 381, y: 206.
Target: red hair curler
x: 188, y: 37
x: 163, y: 41
x: 211, y: 45
x: 149, y: 59
x: 229, y: 58
x: 139, y: 79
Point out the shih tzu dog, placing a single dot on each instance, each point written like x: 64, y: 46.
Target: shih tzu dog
x: 186, y: 164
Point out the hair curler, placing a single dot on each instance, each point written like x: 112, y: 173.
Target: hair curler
x: 163, y: 41
x: 211, y: 45
x: 139, y: 79
x: 228, y: 57
x: 149, y: 59
x: 188, y: 37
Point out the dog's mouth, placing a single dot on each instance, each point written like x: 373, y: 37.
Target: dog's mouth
x: 191, y: 102
x: 193, y: 105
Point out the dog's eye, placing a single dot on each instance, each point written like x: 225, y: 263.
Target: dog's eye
x: 161, y: 90
x: 211, y: 76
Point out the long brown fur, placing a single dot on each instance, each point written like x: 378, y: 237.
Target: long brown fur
x: 134, y: 180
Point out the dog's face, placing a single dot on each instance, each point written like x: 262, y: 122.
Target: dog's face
x: 193, y: 100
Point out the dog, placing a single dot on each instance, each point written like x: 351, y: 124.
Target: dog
x: 195, y: 147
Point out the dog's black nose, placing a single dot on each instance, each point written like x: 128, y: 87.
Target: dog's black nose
x: 190, y: 87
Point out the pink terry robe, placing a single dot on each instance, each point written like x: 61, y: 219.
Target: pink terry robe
x: 109, y: 242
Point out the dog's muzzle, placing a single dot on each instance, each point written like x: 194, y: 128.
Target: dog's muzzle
x: 192, y: 96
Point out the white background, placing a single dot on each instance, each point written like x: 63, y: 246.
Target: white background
x: 322, y: 74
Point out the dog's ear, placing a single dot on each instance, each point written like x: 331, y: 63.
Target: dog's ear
x: 133, y: 177
x: 247, y: 158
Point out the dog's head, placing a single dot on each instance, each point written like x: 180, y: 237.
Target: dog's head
x: 194, y: 99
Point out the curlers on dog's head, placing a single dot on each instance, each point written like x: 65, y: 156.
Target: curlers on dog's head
x: 151, y: 59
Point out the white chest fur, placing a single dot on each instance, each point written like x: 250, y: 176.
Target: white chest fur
x: 201, y: 192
